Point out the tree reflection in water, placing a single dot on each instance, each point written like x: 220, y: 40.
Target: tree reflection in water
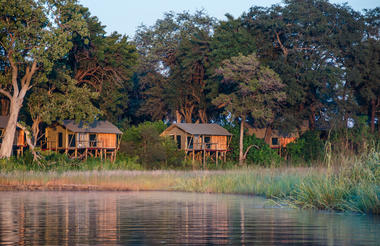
x: 143, y: 218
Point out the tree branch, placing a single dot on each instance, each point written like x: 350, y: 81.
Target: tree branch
x: 249, y: 147
x: 6, y: 93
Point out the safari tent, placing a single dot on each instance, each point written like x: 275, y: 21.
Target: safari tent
x: 274, y: 138
x: 82, y: 139
x: 200, y: 140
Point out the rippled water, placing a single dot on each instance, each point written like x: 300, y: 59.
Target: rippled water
x: 154, y: 218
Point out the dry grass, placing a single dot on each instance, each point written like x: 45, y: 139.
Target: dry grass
x: 353, y: 185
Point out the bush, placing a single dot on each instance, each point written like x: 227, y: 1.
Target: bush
x: 309, y: 147
x: 355, y: 140
x: 260, y: 153
x: 153, y: 151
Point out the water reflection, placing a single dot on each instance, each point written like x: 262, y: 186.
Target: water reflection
x: 115, y: 218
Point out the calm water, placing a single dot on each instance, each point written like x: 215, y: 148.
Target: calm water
x: 154, y: 218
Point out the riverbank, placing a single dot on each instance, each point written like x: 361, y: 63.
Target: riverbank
x: 347, y: 188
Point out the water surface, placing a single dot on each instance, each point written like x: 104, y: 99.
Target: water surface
x: 171, y: 218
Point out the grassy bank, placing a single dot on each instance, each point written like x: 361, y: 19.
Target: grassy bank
x: 348, y: 187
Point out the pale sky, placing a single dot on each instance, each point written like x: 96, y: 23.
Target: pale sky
x: 124, y: 16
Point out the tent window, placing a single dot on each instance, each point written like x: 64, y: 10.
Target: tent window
x: 72, y: 140
x: 92, y: 140
x: 179, y: 141
x: 274, y: 141
x: 189, y: 142
x: 60, y: 139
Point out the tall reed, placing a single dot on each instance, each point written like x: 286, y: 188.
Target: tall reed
x: 351, y: 184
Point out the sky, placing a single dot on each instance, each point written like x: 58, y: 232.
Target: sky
x: 124, y: 16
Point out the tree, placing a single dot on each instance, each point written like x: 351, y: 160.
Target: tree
x: 364, y: 66
x: 57, y: 100
x: 34, y: 34
x: 189, y: 76
x: 257, y: 91
x: 306, y: 43
x: 174, y: 56
x: 105, y: 63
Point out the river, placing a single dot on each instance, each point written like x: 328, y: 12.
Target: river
x: 172, y: 218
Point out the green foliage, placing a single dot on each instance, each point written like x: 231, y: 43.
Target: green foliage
x: 173, y: 65
x: 52, y: 161
x: 356, y: 140
x: 260, y: 154
x: 309, y: 147
x: 257, y: 89
x: 61, y: 99
x: 152, y: 150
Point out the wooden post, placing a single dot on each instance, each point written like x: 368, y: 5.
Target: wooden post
x: 86, y: 153
x: 66, y: 142
x: 217, y: 157
x: 204, y: 152
x: 76, y: 152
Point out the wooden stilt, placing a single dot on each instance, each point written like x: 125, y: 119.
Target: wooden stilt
x: 86, y: 153
x: 204, y: 158
x: 193, y: 160
x: 76, y: 152
x: 216, y: 158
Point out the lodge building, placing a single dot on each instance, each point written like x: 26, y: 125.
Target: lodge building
x: 82, y: 139
x: 200, y: 140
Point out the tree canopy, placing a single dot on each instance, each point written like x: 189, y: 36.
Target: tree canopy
x: 274, y: 67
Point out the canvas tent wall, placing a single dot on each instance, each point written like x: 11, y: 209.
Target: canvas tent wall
x: 99, y: 137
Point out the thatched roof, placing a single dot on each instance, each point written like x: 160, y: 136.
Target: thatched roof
x: 95, y: 127
x: 202, y: 129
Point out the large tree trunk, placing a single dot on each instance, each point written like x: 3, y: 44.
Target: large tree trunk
x: 4, y: 106
x: 241, y: 143
x: 10, y: 130
x: 178, y: 116
x: 268, y: 135
x: 312, y: 120
x: 32, y: 146
x: 16, y: 101
x: 36, y: 130
x: 187, y: 112
x: 202, y: 115
x: 373, y: 114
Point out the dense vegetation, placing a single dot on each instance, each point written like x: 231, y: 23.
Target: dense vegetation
x: 354, y: 186
x: 273, y: 68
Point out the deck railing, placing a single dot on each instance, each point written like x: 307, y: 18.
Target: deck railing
x: 206, y: 146
x: 53, y: 144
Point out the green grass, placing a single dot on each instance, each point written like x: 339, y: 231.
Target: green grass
x: 351, y: 184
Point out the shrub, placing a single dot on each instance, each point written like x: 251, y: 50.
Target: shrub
x: 309, y: 147
x: 260, y: 153
x: 153, y: 151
